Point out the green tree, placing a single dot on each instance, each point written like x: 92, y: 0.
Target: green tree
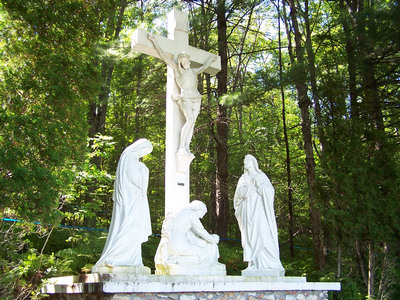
x: 46, y: 81
x: 300, y: 81
x: 47, y: 77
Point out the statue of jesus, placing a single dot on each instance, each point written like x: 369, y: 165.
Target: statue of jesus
x: 189, y: 99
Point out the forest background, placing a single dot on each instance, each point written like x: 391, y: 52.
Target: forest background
x: 310, y: 88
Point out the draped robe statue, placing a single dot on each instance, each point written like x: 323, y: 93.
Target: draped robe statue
x: 254, y: 210
x: 130, y: 222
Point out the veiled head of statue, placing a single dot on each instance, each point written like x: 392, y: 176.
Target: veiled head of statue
x: 140, y: 148
x: 197, y: 205
x: 251, y: 161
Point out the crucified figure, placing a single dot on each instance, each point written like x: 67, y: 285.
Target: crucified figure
x: 189, y: 99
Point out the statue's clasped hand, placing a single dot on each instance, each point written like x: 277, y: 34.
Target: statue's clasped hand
x: 215, y: 238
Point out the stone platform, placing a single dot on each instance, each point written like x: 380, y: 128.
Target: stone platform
x: 162, y: 287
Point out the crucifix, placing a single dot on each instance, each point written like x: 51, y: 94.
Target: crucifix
x: 176, y: 52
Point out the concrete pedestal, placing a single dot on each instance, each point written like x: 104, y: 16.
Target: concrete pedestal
x: 131, y: 270
x: 162, y: 287
x: 263, y: 273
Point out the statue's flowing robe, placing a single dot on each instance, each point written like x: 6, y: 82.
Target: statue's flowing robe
x: 254, y: 210
x: 130, y: 222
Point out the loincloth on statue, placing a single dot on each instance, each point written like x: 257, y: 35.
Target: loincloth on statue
x: 193, y: 100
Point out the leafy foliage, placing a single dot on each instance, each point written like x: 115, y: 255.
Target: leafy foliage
x: 46, y: 76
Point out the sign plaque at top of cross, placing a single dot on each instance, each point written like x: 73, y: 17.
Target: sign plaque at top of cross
x: 177, y: 156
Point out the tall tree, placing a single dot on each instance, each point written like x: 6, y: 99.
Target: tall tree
x: 47, y: 78
x: 286, y: 139
x: 304, y: 105
x: 114, y: 16
x: 222, y: 201
x: 98, y: 109
x: 356, y: 163
x: 368, y: 22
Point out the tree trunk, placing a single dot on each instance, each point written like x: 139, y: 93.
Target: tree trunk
x: 222, y: 201
x: 313, y: 78
x: 213, y: 179
x: 371, y: 268
x: 304, y: 104
x: 361, y: 262
x: 98, y: 109
x: 288, y: 165
x: 372, y: 115
x: 351, y: 61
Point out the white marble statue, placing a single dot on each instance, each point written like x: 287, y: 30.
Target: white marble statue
x: 186, y: 248
x: 130, y: 222
x: 189, y: 99
x: 254, y: 210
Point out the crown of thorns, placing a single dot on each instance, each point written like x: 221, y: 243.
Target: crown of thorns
x: 183, y: 55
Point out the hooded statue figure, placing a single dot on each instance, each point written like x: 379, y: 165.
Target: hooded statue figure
x: 254, y: 210
x: 130, y: 222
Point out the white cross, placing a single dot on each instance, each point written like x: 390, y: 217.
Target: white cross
x: 176, y: 176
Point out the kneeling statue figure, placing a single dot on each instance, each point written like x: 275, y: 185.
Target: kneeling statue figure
x: 186, y: 248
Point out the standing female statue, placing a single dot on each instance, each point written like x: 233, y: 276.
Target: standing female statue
x: 130, y: 222
x: 254, y: 210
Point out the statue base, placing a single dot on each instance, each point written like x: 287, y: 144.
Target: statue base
x: 163, y: 287
x: 183, y: 160
x: 135, y: 270
x: 175, y: 269
x: 263, y: 272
